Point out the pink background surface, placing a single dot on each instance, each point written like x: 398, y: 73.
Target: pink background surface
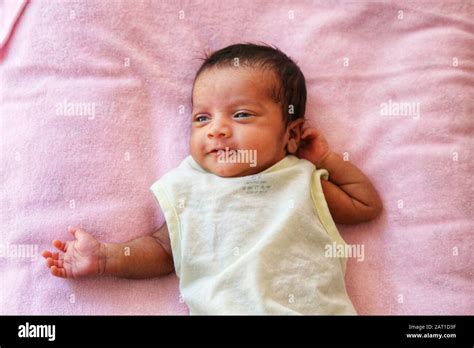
x: 95, y: 172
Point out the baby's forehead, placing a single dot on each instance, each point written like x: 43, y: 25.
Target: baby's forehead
x: 253, y: 82
x: 257, y: 73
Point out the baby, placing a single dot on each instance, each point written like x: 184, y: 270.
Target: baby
x: 250, y: 213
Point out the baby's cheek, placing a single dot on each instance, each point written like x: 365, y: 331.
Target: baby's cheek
x: 195, y: 143
x: 264, y: 146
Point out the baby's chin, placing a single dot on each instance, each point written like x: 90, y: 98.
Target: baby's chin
x: 228, y: 170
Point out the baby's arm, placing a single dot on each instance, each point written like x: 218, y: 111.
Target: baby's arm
x: 350, y: 195
x: 144, y: 257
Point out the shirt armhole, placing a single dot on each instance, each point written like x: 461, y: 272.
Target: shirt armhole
x: 322, y: 209
x: 172, y: 222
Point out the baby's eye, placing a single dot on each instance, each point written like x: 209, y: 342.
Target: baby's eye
x: 243, y: 114
x: 199, y: 118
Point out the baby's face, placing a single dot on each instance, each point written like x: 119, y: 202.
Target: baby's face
x: 232, y: 108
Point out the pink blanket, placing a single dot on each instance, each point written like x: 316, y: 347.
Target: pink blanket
x: 95, y: 106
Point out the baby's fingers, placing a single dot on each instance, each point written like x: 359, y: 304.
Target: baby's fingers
x: 58, y: 272
x: 48, y: 253
x: 309, y: 132
x: 51, y: 262
x: 60, y: 245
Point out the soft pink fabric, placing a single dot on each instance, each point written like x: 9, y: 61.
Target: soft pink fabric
x: 135, y: 62
x: 10, y: 11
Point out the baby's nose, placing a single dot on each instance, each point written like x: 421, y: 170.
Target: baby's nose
x: 219, y: 130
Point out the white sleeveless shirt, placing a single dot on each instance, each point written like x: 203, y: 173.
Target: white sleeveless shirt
x: 253, y: 244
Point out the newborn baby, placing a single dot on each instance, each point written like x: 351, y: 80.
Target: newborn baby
x: 250, y: 213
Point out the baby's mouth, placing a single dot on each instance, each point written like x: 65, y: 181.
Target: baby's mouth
x: 217, y: 152
x: 220, y: 151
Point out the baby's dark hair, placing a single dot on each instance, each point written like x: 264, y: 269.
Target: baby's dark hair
x: 291, y: 91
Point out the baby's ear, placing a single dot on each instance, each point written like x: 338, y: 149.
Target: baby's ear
x: 295, y: 130
x: 292, y: 146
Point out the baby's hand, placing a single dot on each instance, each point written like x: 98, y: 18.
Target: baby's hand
x: 313, y: 146
x: 79, y: 258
